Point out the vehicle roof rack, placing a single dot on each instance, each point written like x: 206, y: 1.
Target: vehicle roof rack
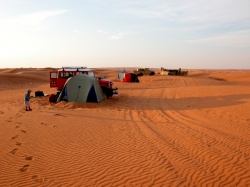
x: 74, y: 67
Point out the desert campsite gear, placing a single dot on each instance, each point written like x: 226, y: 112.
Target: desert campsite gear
x: 81, y: 88
x: 59, y: 77
x: 127, y: 77
x: 39, y: 93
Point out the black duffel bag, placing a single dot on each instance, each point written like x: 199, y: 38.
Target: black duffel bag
x: 39, y: 93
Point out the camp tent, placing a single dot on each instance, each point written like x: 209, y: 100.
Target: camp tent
x: 81, y: 88
x: 127, y: 77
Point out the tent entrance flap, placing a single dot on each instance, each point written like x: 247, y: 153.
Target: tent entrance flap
x: 92, y: 95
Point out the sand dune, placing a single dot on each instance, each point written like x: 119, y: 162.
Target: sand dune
x: 163, y: 131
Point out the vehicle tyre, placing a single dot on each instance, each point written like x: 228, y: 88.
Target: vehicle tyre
x: 107, y: 92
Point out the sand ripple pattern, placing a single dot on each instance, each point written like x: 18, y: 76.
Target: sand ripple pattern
x: 163, y: 131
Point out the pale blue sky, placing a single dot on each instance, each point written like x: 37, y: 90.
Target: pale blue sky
x: 192, y: 34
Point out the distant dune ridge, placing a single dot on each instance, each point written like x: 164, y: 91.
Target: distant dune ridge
x: 164, y: 131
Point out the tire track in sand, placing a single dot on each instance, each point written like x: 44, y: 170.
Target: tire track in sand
x: 211, y: 141
x: 181, y: 161
x: 199, y: 144
x: 155, y: 166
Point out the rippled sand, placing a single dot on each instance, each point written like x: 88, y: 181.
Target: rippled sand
x: 163, y: 131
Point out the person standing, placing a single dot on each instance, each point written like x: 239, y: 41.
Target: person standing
x: 27, y: 100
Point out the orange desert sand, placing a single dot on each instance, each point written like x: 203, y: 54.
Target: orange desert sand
x: 163, y: 131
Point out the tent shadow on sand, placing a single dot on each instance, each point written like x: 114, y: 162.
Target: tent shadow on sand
x: 81, y: 88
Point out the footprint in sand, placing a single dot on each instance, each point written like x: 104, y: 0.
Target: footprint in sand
x: 17, y: 126
x: 38, y: 178
x: 14, y: 137
x: 29, y: 158
x: 58, y: 115
x: 19, y: 143
x: 23, y: 131
x: 44, y: 124
x: 24, y: 168
x: 14, y: 151
x: 1, y: 112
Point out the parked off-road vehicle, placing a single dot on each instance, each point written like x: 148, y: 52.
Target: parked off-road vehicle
x: 143, y: 71
x: 59, y: 77
x: 177, y: 72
